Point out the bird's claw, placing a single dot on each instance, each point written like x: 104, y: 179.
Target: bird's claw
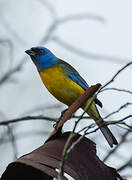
x: 62, y: 114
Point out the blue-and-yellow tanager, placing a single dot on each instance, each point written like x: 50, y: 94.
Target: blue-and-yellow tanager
x: 65, y: 83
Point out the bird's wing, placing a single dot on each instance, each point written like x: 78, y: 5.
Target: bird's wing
x: 75, y: 76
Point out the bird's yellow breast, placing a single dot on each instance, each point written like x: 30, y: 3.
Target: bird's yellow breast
x: 59, y: 85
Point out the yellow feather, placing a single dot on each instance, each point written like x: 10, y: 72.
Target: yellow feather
x: 63, y: 88
x: 57, y: 83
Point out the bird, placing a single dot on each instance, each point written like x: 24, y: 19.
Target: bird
x: 65, y: 83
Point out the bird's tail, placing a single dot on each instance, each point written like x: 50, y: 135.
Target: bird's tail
x: 94, y: 114
x: 108, y: 136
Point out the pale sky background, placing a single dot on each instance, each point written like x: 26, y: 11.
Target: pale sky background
x: 110, y: 36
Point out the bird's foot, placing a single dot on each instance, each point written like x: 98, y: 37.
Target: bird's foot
x: 62, y: 114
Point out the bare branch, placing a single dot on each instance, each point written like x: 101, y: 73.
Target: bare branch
x: 119, y: 121
x: 48, y: 35
x: 85, y: 16
x: 67, y: 151
x: 87, y: 54
x: 127, y: 164
x: 86, y: 128
x: 8, y: 42
x: 7, y: 76
x: 119, y: 109
x: 116, y: 74
x: 117, y: 89
x: 26, y: 118
x: 11, y: 136
x: 13, y: 141
x: 49, y: 6
x: 110, y: 123
x: 64, y: 156
x: 58, y: 22
x: 11, y: 30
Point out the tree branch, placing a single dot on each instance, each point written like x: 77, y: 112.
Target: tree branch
x: 119, y: 109
x: 128, y: 163
x: 27, y: 118
x: 114, y: 77
x: 117, y: 89
x: 86, y: 54
x: 7, y: 76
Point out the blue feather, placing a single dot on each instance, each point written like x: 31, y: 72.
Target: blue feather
x: 78, y: 79
x: 73, y: 74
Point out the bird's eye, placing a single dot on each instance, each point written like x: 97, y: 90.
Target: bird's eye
x: 42, y: 52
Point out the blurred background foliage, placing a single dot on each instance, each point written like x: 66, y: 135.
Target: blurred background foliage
x: 95, y: 37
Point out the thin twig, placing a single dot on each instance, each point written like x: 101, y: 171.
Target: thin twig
x: 128, y: 163
x: 85, y: 16
x: 50, y: 8
x: 10, y: 45
x: 116, y: 74
x: 86, y: 54
x: 57, y: 22
x: 7, y: 76
x: 119, y: 109
x: 27, y: 118
x: 11, y: 136
x: 64, y: 156
x: 12, y: 30
x: 117, y: 89
x: 13, y: 141
x: 68, y: 150
x: 113, y: 123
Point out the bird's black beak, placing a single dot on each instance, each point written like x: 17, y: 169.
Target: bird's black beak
x: 30, y: 52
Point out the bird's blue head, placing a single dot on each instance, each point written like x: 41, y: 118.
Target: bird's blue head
x: 42, y: 57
